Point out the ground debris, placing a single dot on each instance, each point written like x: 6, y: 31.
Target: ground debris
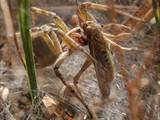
x: 62, y: 109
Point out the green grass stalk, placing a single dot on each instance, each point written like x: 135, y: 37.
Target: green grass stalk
x: 24, y: 18
x: 156, y: 11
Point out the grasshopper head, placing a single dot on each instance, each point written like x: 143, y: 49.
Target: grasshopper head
x: 91, y: 28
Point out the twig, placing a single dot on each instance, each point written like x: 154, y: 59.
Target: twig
x: 10, y: 33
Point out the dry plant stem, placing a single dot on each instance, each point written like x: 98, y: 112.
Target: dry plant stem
x: 147, y: 17
x: 133, y: 98
x: 134, y: 86
x: 19, y: 51
x: 11, y: 55
x: 125, y: 76
x: 133, y: 89
x: 144, y: 12
x: 111, y: 11
x: 135, y: 105
x: 134, y: 102
x: 33, y: 18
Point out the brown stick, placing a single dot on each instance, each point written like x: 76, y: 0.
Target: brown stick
x: 11, y: 52
x: 144, y: 12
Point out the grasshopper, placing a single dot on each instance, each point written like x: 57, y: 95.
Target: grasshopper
x: 100, y: 50
x: 99, y: 45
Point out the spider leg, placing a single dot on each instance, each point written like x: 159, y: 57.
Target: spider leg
x: 73, y: 44
x: 100, y: 7
x: 119, y: 46
x: 85, y: 65
x: 57, y: 20
x: 57, y: 64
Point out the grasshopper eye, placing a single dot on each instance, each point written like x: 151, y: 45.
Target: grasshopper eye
x: 102, y: 26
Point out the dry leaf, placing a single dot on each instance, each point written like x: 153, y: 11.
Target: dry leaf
x: 4, y: 93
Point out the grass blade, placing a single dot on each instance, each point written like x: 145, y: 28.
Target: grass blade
x: 28, y: 50
x: 156, y: 10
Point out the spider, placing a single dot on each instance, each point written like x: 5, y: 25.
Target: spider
x: 60, y: 41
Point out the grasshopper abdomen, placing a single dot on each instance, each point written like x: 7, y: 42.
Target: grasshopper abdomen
x: 104, y: 66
